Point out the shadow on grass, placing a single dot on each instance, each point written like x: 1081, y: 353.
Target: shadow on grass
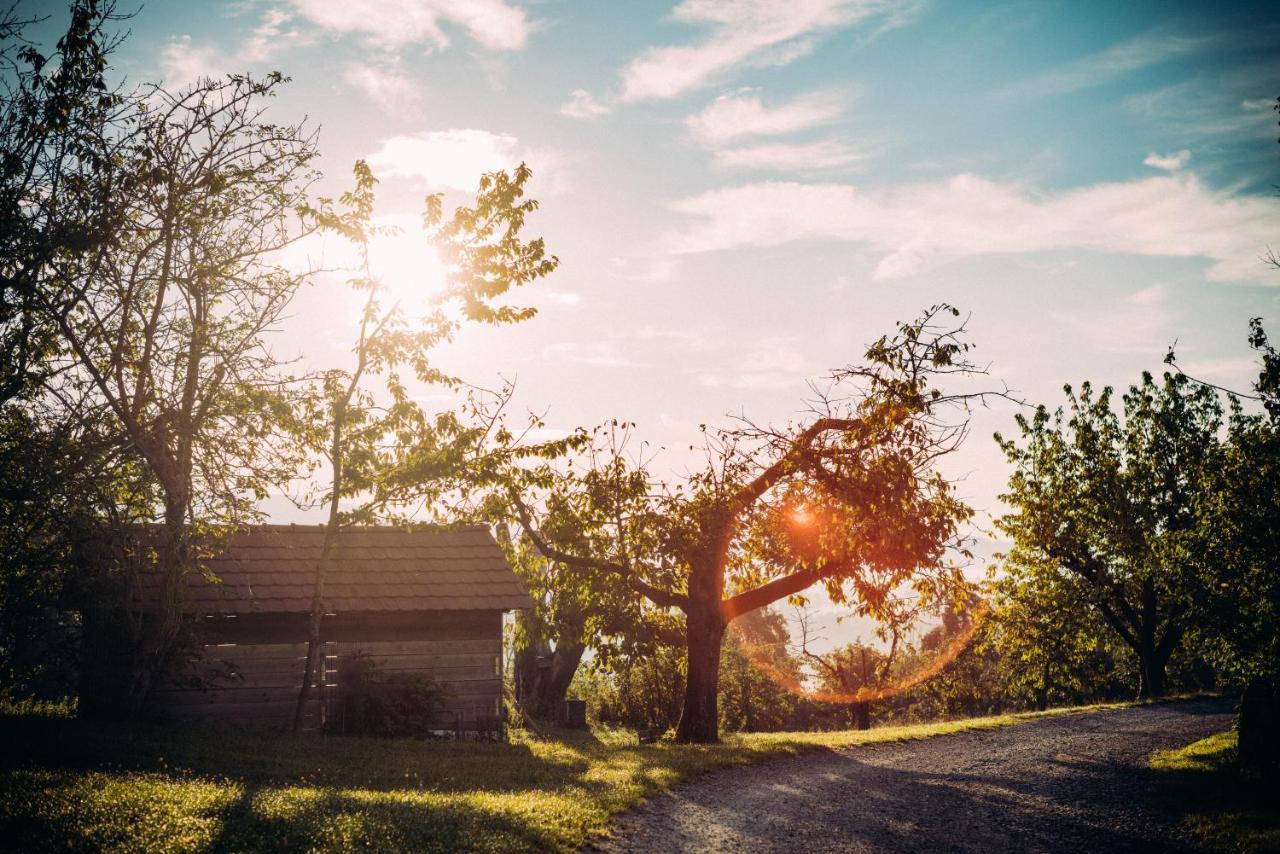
x: 1227, y: 807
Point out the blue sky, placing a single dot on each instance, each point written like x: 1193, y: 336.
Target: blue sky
x: 743, y: 194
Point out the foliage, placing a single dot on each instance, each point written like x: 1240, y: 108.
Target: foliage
x: 849, y: 500
x: 375, y: 702
x: 59, y: 140
x: 1224, y: 806
x: 83, y: 785
x: 384, y: 449
x: 1100, y: 507
x: 1050, y: 648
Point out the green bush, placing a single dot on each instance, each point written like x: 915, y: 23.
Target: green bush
x: 375, y: 702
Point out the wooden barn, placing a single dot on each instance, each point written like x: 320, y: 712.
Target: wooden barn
x: 427, y: 601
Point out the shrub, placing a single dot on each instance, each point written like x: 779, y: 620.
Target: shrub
x: 395, y: 704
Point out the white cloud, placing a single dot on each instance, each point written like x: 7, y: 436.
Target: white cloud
x: 568, y: 299
x: 1153, y: 295
x: 730, y: 117
x: 756, y: 32
x: 582, y: 105
x: 450, y: 159
x: 455, y: 159
x: 918, y: 226
x: 386, y: 85
x: 495, y: 24
x: 787, y: 157
x: 1168, y: 162
x: 182, y: 61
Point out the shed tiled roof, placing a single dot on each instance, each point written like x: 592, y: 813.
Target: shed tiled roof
x: 271, y: 569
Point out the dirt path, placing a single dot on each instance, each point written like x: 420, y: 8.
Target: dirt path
x: 1073, y: 783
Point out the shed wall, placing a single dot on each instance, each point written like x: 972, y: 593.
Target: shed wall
x: 252, y: 667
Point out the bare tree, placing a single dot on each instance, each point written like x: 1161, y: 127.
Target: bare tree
x: 165, y: 326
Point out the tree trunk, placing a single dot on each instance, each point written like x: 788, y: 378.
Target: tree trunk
x: 862, y: 715
x: 159, y: 627
x: 543, y: 677
x: 700, y: 718
x: 1259, y: 726
x: 322, y: 566
x: 1151, y: 676
x: 1042, y: 690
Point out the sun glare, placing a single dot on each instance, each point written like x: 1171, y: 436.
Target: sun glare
x: 407, y: 265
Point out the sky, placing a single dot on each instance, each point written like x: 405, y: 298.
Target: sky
x: 743, y: 195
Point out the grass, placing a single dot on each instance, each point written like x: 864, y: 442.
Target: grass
x: 1227, y: 808
x: 68, y: 785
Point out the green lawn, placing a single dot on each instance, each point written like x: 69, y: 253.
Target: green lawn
x: 1228, y: 809
x: 67, y: 784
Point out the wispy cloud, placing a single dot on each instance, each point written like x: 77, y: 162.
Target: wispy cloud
x: 493, y: 24
x: 745, y: 32
x: 1134, y: 54
x: 183, y: 60
x: 1236, y: 104
x: 787, y: 157
x: 602, y: 354
x: 743, y: 114
x: 771, y: 363
x: 918, y: 226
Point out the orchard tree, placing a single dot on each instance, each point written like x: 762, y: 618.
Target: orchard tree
x: 1236, y: 579
x: 859, y: 673
x: 849, y: 499
x: 575, y: 611
x: 1045, y: 639
x: 1106, y: 502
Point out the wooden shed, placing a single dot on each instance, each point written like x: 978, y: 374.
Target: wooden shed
x: 426, y: 601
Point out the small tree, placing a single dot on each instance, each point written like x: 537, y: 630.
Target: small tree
x: 383, y: 449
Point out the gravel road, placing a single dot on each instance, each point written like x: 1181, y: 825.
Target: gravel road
x: 1072, y: 783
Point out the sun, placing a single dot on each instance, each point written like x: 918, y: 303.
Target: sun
x: 405, y: 262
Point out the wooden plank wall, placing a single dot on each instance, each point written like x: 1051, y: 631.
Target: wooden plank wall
x: 255, y: 684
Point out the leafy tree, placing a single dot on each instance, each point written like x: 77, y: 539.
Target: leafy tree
x: 1046, y: 641
x: 1103, y: 503
x: 59, y: 484
x: 849, y: 500
x: 162, y: 327
x: 756, y: 673
x: 1236, y: 580
x: 859, y: 673
x: 62, y: 130
x: 575, y: 611
x: 383, y: 449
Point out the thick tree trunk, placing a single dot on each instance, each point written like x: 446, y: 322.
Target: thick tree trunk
x: 1259, y: 726
x: 1151, y: 676
x: 543, y: 677
x: 862, y: 715
x: 700, y: 718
